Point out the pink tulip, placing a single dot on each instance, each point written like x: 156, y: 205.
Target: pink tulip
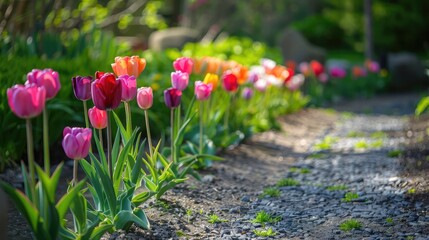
x: 183, y: 64
x: 261, y: 85
x: 145, y: 97
x: 304, y: 68
x: 202, y: 90
x: 46, y: 78
x: 76, y: 142
x: 295, y: 82
x: 26, y: 101
x: 323, y: 77
x: 98, y: 118
x: 129, y: 87
x: 179, y: 80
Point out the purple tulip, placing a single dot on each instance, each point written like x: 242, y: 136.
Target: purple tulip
x: 129, y: 87
x: 172, y: 97
x: 76, y: 142
x: 247, y: 93
x: 82, y: 87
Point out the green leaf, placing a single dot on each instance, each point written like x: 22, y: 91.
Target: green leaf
x: 100, y: 230
x: 99, y: 149
x: 124, y: 133
x: 64, y: 203
x: 141, y: 198
x: 119, y: 166
x: 115, y: 148
x: 50, y: 183
x: 422, y: 106
x: 67, y: 234
x: 124, y: 219
x: 106, y: 187
x: 79, y: 209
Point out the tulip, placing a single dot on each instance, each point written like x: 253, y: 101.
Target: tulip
x: 183, y: 64
x: 372, y: 66
x: 76, y: 144
x: 145, y: 97
x: 213, y: 79
x: 317, y: 67
x: 247, y: 93
x: 82, y: 87
x: 323, y: 77
x: 98, y: 118
x: 129, y: 87
x: 47, y: 78
x: 26, y: 101
x: 202, y: 90
x: 172, y: 97
x: 338, y: 72
x: 304, y: 68
x: 179, y: 80
x: 295, y: 82
x: 229, y: 81
x: 358, y: 71
x: 261, y: 85
x: 131, y: 66
x: 241, y: 73
x: 268, y: 64
x: 106, y: 91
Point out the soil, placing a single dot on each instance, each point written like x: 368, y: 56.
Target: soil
x: 257, y: 163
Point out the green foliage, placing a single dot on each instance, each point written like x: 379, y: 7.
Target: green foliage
x: 337, y: 188
x: 326, y: 143
x: 213, y: 218
x: 264, y: 233
x: 394, y: 153
x: 422, y: 106
x: 378, y: 134
x: 263, y: 217
x: 350, y: 196
x: 270, y: 192
x: 287, y: 182
x: 389, y: 220
x: 362, y: 144
x: 350, y: 224
x: 354, y: 134
x: 300, y: 170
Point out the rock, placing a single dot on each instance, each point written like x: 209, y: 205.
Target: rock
x: 295, y: 47
x: 208, y: 178
x: 172, y: 38
x: 406, y: 71
x: 245, y: 199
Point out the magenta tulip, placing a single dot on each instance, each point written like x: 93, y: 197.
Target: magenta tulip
x: 179, y: 80
x: 76, y: 142
x: 26, y: 101
x: 129, y: 87
x: 202, y: 90
x: 46, y: 78
x: 145, y: 97
x: 82, y: 87
x: 338, y: 72
x: 106, y: 91
x: 172, y: 97
x: 98, y: 118
x: 183, y: 64
x: 229, y: 81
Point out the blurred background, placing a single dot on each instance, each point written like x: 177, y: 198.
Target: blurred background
x: 81, y: 37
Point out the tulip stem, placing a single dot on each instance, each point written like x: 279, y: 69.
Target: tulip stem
x: 201, y: 126
x: 128, y: 117
x: 85, y: 113
x: 46, y: 141
x: 30, y: 155
x: 109, y: 144
x: 226, y: 118
x: 149, y: 138
x: 172, y: 136
x: 100, y: 136
x: 75, y: 165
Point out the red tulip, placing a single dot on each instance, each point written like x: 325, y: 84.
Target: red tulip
x: 26, y: 101
x: 76, y: 142
x: 46, y: 78
x: 106, y: 91
x: 172, y: 97
x: 144, y: 97
x: 229, y: 81
x: 317, y: 67
x: 202, y: 90
x: 129, y: 87
x: 82, y: 87
x: 183, y: 64
x: 179, y: 80
x: 98, y: 118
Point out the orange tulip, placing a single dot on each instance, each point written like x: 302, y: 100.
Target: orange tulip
x: 131, y: 66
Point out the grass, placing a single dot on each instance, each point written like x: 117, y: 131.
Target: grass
x: 354, y: 134
x: 317, y: 155
x: 337, y: 188
x: 265, y: 233
x: 285, y: 182
x: 189, y: 214
x: 350, y: 196
x: 326, y: 143
x: 361, y: 145
x: 389, y: 220
x: 350, y: 224
x: 300, y: 170
x: 347, y: 115
x: 263, y: 217
x: 394, y: 153
x: 377, y: 144
x: 213, y: 218
x: 378, y: 135
x: 180, y: 233
x: 411, y: 191
x: 271, y: 192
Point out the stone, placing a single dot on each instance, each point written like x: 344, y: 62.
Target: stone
x: 175, y: 37
x: 406, y: 71
x: 296, y: 48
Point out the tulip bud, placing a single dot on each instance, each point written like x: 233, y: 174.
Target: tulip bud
x: 145, y: 97
x: 98, y: 118
x: 76, y: 142
x: 82, y: 87
x: 172, y: 97
x: 26, y: 101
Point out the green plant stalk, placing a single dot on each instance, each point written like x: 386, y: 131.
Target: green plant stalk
x: 149, y: 138
x: 226, y: 117
x: 75, y: 166
x: 201, y: 126
x: 173, y: 159
x: 30, y: 155
x: 85, y: 113
x: 100, y: 136
x: 128, y: 120
x: 109, y: 144
x: 46, y: 141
